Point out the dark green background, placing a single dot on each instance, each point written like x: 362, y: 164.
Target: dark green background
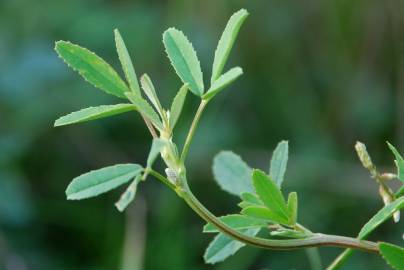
x: 321, y: 74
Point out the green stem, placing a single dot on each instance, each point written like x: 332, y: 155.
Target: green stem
x: 340, y: 260
x: 192, y: 129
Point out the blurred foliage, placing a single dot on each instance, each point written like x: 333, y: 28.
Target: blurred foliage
x: 321, y: 74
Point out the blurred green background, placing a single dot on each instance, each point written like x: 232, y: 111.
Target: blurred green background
x: 321, y: 74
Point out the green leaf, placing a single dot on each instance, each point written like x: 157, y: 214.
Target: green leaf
x: 232, y: 173
x: 126, y: 63
x: 251, y: 198
x: 289, y: 234
x: 150, y: 92
x: 399, y: 162
x: 400, y: 192
x: 270, y: 194
x: 145, y: 109
x: 129, y: 194
x: 156, y: 147
x: 264, y: 213
x: 279, y: 161
x: 93, y: 113
x: 226, y: 42
x: 222, y: 82
x: 292, y: 207
x: 184, y: 59
x: 223, y: 247
x: 176, y: 106
x: 237, y: 222
x: 394, y: 255
x: 381, y: 216
x: 100, y: 181
x: 93, y: 69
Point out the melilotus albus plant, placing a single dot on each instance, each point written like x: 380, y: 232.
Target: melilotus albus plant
x: 264, y: 210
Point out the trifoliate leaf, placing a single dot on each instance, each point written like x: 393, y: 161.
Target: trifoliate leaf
x: 222, y: 82
x: 150, y: 92
x: 176, y: 106
x: 279, y: 161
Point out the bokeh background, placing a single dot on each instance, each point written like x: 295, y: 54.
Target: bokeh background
x: 321, y: 74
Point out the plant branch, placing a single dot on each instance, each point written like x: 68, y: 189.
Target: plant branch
x: 316, y: 240
x: 192, y: 129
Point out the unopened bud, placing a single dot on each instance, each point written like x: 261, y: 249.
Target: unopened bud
x: 388, y: 176
x: 364, y: 156
x: 172, y: 176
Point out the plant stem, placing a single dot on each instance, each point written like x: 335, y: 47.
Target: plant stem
x: 163, y: 179
x: 192, y: 129
x: 316, y: 240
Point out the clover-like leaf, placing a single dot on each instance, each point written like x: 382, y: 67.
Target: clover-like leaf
x: 184, y: 59
x: 222, y: 82
x: 292, y: 207
x: 224, y: 246
x: 176, y: 106
x: 279, y: 161
x: 399, y: 162
x: 232, y: 173
x: 93, y: 113
x: 394, y: 255
x: 237, y: 222
x: 226, y: 42
x: 126, y: 63
x: 262, y: 212
x: 145, y: 109
x: 129, y: 195
x: 270, y: 195
x: 92, y: 67
x: 102, y: 180
x: 385, y: 213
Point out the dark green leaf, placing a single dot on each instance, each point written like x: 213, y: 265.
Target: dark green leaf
x: 126, y: 63
x: 222, y: 82
x: 399, y: 162
x: 184, y: 59
x: 223, y: 247
x: 270, y: 194
x: 237, y: 222
x: 279, y: 161
x: 94, y: 69
x: 93, y: 113
x: 381, y: 216
x: 176, y: 106
x: 129, y: 194
x: 232, y: 173
x: 400, y: 192
x: 394, y: 255
x: 226, y: 42
x: 100, y: 181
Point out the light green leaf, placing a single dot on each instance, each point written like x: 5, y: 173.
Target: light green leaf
x: 150, y: 92
x: 226, y: 42
x: 264, y: 213
x: 289, y: 234
x: 156, y: 147
x: 223, y: 247
x: 232, y: 173
x: 237, y: 222
x: 394, y: 255
x: 100, y: 181
x: 93, y: 69
x: 399, y: 162
x: 279, y: 161
x: 184, y: 59
x: 176, y: 106
x: 251, y: 198
x: 129, y: 194
x: 222, y: 82
x: 400, y: 192
x: 381, y: 216
x: 270, y: 194
x: 126, y: 63
x: 145, y: 109
x: 93, y: 113
x: 292, y: 207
